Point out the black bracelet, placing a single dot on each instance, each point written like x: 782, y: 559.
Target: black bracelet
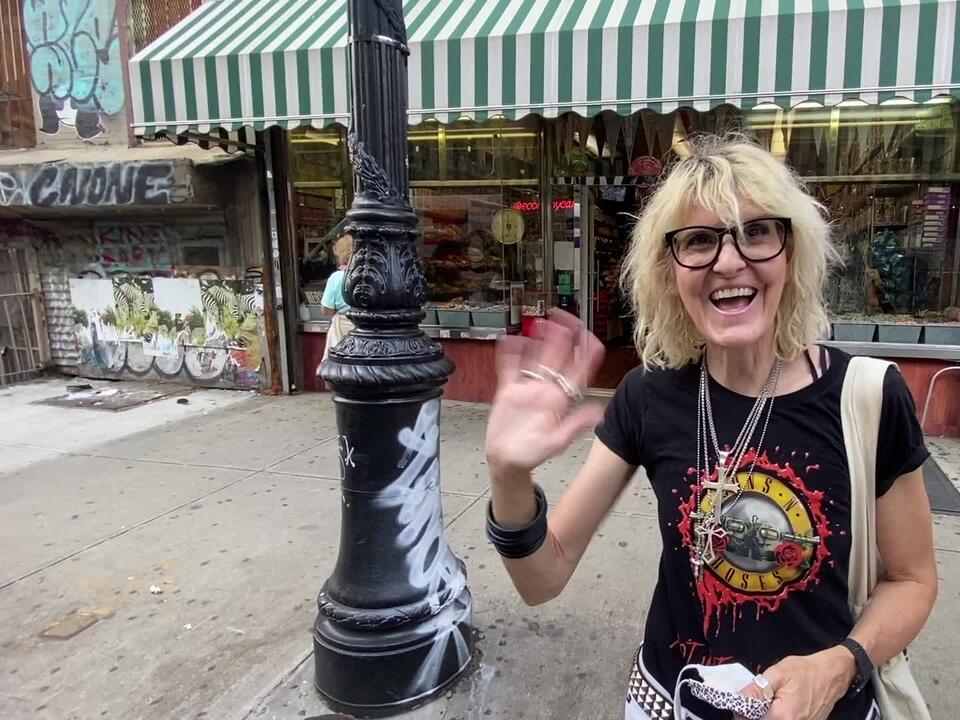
x: 522, y: 542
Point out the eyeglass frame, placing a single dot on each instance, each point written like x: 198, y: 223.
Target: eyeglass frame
x: 734, y: 233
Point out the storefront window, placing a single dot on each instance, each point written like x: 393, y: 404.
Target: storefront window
x: 899, y: 243
x: 475, y: 188
x: 893, y: 140
x: 886, y: 175
x: 638, y: 145
x: 495, y: 150
x: 423, y: 150
x: 317, y: 214
x: 476, y: 252
x: 318, y: 156
x: 889, y: 176
x: 318, y: 162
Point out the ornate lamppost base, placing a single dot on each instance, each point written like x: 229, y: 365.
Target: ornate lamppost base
x: 413, y: 663
x: 394, y: 618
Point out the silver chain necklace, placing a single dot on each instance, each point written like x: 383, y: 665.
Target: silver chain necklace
x: 709, y: 525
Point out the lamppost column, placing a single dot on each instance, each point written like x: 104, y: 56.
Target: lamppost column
x: 394, y: 618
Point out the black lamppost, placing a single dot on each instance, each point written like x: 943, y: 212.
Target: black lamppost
x: 394, y: 621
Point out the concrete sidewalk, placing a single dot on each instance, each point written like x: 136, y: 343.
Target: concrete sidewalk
x: 234, y: 516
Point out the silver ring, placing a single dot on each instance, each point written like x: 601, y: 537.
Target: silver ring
x: 765, y: 687
x: 533, y: 376
x: 569, y: 389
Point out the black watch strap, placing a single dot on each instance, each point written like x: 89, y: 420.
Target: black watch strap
x: 864, y: 664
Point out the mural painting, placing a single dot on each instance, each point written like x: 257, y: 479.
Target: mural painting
x: 75, y: 63
x: 198, y: 331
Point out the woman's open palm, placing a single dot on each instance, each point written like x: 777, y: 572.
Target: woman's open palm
x: 533, y: 418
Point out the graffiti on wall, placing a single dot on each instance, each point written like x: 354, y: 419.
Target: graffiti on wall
x: 96, y: 184
x: 132, y: 248
x: 195, y: 330
x: 11, y: 189
x: 75, y: 63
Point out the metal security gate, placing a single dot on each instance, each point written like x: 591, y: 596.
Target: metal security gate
x: 24, y: 347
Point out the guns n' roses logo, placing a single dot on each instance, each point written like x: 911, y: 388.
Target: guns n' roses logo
x: 773, y: 541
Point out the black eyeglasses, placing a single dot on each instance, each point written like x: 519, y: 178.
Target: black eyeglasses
x: 758, y: 240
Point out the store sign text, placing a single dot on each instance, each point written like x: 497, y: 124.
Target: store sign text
x: 534, y: 205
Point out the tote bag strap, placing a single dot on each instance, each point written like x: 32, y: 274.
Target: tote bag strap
x: 861, y: 402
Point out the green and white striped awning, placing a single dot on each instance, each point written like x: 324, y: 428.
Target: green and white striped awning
x: 235, y: 63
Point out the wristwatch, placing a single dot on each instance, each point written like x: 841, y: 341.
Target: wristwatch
x: 864, y: 665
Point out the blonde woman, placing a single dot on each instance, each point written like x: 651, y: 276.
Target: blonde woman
x: 735, y: 403
x: 333, y: 303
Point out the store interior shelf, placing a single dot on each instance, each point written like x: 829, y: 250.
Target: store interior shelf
x: 434, y: 331
x: 898, y: 350
x: 471, y: 333
x: 315, y: 326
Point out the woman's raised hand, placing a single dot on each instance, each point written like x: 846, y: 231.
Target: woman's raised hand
x: 535, y: 414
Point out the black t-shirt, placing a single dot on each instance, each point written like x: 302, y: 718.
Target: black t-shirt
x: 779, y: 585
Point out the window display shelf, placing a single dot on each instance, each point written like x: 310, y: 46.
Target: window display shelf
x: 898, y: 350
x: 474, y: 333
x: 315, y: 326
x: 433, y: 331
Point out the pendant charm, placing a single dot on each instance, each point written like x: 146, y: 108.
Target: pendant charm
x: 709, y: 531
x: 697, y: 563
x: 720, y: 487
x: 714, y: 536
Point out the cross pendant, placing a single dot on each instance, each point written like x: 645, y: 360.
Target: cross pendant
x: 719, y: 488
x: 710, y: 531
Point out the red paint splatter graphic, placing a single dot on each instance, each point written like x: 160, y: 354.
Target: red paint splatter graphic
x: 716, y: 595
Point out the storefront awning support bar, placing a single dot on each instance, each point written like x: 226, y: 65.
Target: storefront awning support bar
x: 394, y: 623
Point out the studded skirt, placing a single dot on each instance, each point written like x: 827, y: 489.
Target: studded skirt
x: 646, y: 698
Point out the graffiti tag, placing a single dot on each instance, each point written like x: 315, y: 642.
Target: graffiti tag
x: 11, y: 193
x: 345, y: 452
x: 75, y: 63
x: 134, y: 247
x: 69, y: 185
x: 431, y: 565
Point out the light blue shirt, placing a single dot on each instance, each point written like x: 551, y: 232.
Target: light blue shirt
x: 333, y: 292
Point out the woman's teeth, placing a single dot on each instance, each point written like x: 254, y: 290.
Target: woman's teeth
x: 730, y: 299
x: 726, y: 293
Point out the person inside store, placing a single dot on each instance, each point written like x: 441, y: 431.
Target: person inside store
x: 333, y: 303
x: 735, y: 417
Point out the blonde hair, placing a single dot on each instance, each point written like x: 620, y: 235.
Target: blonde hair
x: 343, y: 249
x: 718, y: 174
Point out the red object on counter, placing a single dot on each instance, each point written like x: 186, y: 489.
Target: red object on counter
x: 530, y: 326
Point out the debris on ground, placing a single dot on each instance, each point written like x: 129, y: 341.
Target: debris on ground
x: 74, y: 623
x: 118, y: 397
x: 156, y: 590
x: 91, y: 393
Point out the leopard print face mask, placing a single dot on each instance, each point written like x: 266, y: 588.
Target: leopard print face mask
x: 720, y: 687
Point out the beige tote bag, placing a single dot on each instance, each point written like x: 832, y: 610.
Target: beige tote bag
x: 340, y: 325
x: 861, y: 401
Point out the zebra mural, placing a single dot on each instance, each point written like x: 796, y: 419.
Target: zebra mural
x: 198, y: 331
